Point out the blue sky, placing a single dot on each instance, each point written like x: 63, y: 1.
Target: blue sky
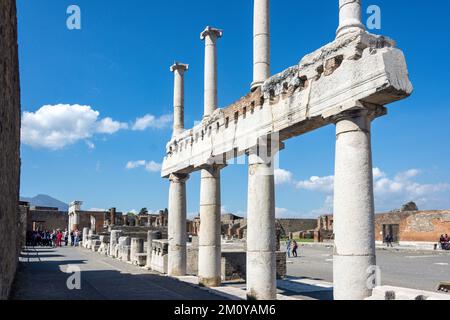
x: 84, y: 90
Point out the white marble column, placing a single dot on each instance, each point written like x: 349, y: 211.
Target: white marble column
x: 177, y: 225
x: 209, y: 263
x: 349, y: 17
x: 210, y: 36
x: 209, y: 256
x: 261, y: 242
x: 261, y: 42
x: 179, y: 70
x: 354, y: 217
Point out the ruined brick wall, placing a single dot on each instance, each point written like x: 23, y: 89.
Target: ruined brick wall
x: 424, y: 226
x: 49, y: 220
x: 9, y: 146
x: 295, y: 225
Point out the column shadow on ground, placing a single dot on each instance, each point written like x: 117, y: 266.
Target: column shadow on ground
x: 46, y: 281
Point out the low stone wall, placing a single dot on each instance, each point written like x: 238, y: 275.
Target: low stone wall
x: 233, y: 264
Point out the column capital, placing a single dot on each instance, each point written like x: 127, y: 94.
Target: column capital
x: 178, y: 178
x: 179, y: 66
x: 210, y: 31
x: 371, y: 111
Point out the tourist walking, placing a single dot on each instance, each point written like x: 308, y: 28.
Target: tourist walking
x: 294, y: 249
x: 66, y: 238
x: 389, y: 239
x: 288, y: 248
x: 59, y: 239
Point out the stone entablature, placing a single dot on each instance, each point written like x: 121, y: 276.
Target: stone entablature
x: 355, y: 67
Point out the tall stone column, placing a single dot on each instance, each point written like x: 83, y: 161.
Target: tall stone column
x: 261, y: 42
x: 261, y: 242
x: 210, y: 36
x: 179, y: 70
x: 349, y: 17
x: 354, y: 217
x: 209, y: 267
x: 177, y: 225
x: 209, y: 255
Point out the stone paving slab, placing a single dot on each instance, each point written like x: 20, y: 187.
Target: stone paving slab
x: 41, y: 276
x: 288, y: 289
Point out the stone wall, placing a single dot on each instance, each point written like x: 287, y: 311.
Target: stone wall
x: 426, y: 226
x: 48, y: 219
x: 9, y: 146
x: 295, y: 225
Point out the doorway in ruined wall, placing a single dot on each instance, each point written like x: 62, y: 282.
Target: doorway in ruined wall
x: 392, y: 230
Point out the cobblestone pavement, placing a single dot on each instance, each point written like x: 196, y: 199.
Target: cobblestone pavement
x: 42, y: 276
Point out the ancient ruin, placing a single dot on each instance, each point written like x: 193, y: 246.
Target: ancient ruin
x: 347, y: 83
x: 11, y: 218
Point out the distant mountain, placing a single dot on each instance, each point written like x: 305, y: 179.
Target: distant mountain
x: 44, y: 200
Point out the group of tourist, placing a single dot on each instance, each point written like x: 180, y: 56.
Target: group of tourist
x: 291, y: 248
x: 444, y: 241
x: 53, y: 238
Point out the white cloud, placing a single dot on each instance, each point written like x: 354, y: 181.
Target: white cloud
x: 390, y: 193
x: 321, y: 184
x: 150, y: 121
x: 282, y: 176
x: 57, y: 126
x: 135, y: 164
x: 150, y: 166
x: 109, y: 126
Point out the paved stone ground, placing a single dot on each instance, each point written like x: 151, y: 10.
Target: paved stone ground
x: 408, y: 269
x: 41, y: 276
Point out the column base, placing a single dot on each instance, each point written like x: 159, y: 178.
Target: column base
x: 210, y: 282
x: 352, y: 277
x: 261, y: 281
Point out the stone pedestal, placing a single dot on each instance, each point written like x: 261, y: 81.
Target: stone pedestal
x: 137, y: 247
x: 177, y: 225
x: 209, y: 268
x: 114, y: 240
x: 85, y: 237
x: 354, y: 217
x: 152, y: 235
x: 261, y: 244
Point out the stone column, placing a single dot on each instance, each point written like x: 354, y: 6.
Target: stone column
x: 112, y: 216
x: 209, y: 266
x: 354, y: 225
x: 85, y: 236
x: 261, y: 42
x: 177, y: 225
x: 261, y: 244
x: 151, y: 235
x: 76, y: 221
x: 137, y: 246
x: 178, y: 70
x: 349, y: 17
x: 210, y: 36
x: 113, y: 241
x: 209, y: 255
